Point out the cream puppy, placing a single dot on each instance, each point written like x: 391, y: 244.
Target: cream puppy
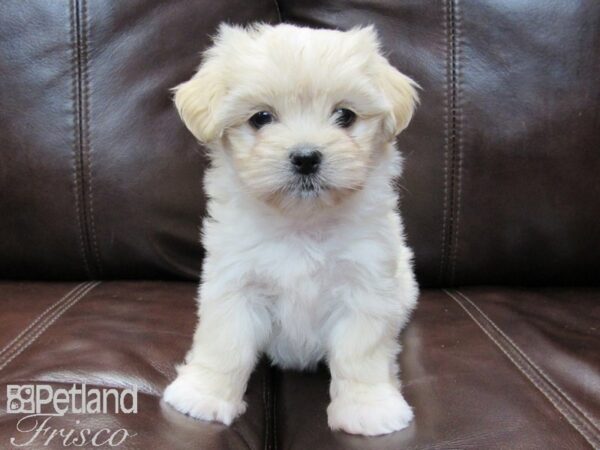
x: 305, y: 254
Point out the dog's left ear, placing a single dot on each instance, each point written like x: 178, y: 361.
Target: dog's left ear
x: 401, y: 91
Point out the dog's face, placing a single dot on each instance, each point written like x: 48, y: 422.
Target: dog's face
x: 303, y: 115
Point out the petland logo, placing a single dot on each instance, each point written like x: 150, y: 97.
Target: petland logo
x: 42, y: 403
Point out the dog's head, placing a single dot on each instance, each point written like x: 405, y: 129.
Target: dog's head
x: 302, y: 114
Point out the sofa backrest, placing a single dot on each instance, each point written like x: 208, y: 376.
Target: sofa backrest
x: 100, y: 179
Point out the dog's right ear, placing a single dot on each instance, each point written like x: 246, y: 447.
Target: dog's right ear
x: 198, y: 99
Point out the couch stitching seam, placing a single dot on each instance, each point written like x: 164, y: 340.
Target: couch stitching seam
x: 43, y: 326
x: 529, y: 360
x: 63, y: 299
x: 575, y: 422
x: 457, y: 126
x: 446, y: 29
x: 527, y: 372
x: 86, y: 127
x: 452, y: 190
x: 76, y: 133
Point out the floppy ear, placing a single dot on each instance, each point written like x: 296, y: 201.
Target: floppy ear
x: 198, y: 99
x: 401, y: 91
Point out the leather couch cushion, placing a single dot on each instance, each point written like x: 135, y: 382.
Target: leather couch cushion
x: 483, y: 368
x: 119, y: 335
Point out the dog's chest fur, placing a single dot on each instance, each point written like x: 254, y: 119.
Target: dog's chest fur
x: 304, y: 277
x: 299, y: 275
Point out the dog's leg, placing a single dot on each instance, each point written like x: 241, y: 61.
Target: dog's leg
x: 365, y: 390
x: 211, y: 384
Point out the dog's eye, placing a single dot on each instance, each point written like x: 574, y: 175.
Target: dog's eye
x: 260, y: 119
x: 344, y: 117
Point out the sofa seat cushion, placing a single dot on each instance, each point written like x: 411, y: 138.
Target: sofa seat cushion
x: 113, y: 334
x: 483, y: 368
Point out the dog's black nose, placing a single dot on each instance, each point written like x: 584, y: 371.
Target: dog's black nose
x: 306, y: 162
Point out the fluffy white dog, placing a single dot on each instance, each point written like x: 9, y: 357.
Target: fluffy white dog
x: 306, y: 258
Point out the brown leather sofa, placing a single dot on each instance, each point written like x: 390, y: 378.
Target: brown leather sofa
x: 99, y: 180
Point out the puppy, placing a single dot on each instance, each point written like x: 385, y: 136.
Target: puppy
x: 305, y: 254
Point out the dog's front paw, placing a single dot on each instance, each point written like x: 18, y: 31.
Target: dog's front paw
x: 188, y: 396
x: 369, y: 410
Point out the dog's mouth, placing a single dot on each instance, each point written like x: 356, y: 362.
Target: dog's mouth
x: 306, y: 186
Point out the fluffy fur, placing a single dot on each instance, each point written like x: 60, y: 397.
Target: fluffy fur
x: 301, y: 274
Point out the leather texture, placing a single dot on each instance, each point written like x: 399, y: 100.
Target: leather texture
x: 502, y: 153
x: 100, y: 180
x: 530, y: 380
x: 491, y: 368
x: 99, y: 177
x: 115, y: 334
